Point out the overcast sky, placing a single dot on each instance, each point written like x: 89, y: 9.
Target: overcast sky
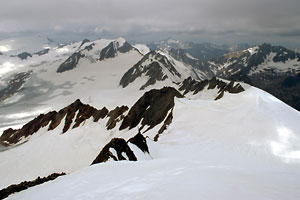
x: 220, y: 21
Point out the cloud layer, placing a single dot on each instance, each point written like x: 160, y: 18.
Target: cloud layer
x: 254, y: 20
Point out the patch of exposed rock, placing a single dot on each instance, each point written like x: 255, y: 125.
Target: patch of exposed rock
x: 194, y: 86
x: 42, y: 52
x: 70, y: 63
x: 14, y: 85
x: 118, y: 149
x: 83, y: 42
x: 27, y: 184
x: 151, y: 109
x: 152, y: 65
x: 89, y: 47
x: 140, y: 141
x: 114, y: 48
x: 24, y: 55
x: 121, y: 148
x: 76, y: 113
x: 115, y: 116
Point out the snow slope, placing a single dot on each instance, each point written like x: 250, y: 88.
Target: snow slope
x: 92, y: 81
x: 243, y: 146
x: 143, y: 49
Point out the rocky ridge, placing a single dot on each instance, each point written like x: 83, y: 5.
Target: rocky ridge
x: 274, y: 69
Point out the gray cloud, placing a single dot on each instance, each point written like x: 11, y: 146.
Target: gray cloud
x: 252, y: 21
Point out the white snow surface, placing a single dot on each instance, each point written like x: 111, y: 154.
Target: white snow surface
x: 142, y: 48
x: 278, y: 67
x: 253, y: 50
x: 120, y: 41
x: 184, y: 70
x: 243, y: 146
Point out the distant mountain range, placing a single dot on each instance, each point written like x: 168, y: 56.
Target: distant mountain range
x: 274, y: 69
x: 201, y: 51
x: 191, y: 116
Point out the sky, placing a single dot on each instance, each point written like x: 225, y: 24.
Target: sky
x: 216, y: 21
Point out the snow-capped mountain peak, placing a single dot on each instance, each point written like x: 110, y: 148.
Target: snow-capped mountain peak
x: 119, y: 45
x: 158, y: 66
x: 157, y: 109
x: 119, y: 42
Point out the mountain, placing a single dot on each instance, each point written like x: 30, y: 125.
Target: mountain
x: 201, y: 51
x: 149, y: 116
x: 75, y: 71
x: 14, y: 85
x: 142, y: 48
x: 202, y: 140
x: 158, y: 66
x: 274, y: 69
x: 120, y: 45
x: 184, y: 57
x: 44, y: 89
x: 136, y: 124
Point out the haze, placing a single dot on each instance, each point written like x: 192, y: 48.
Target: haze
x: 216, y: 21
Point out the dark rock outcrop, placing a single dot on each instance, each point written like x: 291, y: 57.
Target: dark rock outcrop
x: 256, y: 68
x: 42, y: 52
x: 140, y: 141
x: 100, y: 114
x: 53, y: 119
x: 151, y: 109
x: 115, y: 116
x: 151, y: 65
x: 89, y: 47
x: 83, y: 42
x: 183, y: 56
x: 191, y: 85
x: 167, y: 122
x: 114, y: 48
x: 14, y: 85
x: 70, y: 63
x: 194, y: 86
x: 120, y: 146
x: 27, y: 184
x: 24, y: 55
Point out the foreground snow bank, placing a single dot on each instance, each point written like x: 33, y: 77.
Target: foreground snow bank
x: 242, y: 146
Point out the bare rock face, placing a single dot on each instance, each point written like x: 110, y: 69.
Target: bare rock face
x: 191, y: 85
x: 53, y: 119
x: 83, y: 42
x: 140, y: 141
x: 115, y: 116
x: 24, y: 55
x: 121, y: 148
x: 260, y: 68
x: 151, y: 66
x: 42, y: 52
x: 151, y: 109
x: 114, y: 48
x: 70, y: 63
x: 194, y: 86
x: 89, y: 47
x: 27, y: 184
x: 14, y: 85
